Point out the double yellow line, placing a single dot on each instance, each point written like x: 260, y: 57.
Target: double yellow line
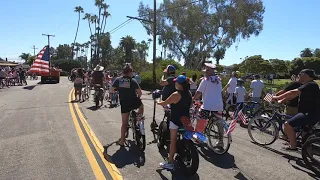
x: 94, y: 150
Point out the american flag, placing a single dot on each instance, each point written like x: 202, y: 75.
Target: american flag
x: 233, y: 123
x: 41, y: 64
x: 268, y: 97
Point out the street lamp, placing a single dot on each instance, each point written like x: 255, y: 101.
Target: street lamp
x: 154, y: 39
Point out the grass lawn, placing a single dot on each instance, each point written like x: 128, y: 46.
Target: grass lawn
x: 280, y: 83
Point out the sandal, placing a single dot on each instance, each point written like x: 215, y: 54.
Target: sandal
x: 288, y: 148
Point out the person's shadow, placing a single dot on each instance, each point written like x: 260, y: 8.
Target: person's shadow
x: 125, y: 155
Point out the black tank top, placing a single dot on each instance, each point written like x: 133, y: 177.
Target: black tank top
x: 181, y: 108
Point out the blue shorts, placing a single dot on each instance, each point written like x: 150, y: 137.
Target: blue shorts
x: 302, y: 120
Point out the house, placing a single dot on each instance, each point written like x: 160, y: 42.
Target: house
x: 4, y: 63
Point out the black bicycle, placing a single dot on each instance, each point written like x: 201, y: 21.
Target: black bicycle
x: 272, y: 125
x: 311, y: 154
x: 138, y: 132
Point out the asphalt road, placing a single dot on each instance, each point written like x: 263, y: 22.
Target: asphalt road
x: 41, y: 139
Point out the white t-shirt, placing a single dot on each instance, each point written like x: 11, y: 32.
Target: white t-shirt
x: 232, y: 85
x: 257, y: 87
x: 193, y: 85
x: 240, y: 92
x: 211, y: 89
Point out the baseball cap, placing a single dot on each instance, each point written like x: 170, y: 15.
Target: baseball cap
x: 310, y: 72
x: 170, y: 68
x: 210, y: 65
x: 180, y: 79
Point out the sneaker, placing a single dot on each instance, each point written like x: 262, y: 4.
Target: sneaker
x: 220, y: 144
x: 166, y: 165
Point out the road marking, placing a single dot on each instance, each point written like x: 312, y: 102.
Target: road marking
x: 92, y: 146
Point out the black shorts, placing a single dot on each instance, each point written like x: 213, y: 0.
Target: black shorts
x: 301, y: 120
x: 127, y: 106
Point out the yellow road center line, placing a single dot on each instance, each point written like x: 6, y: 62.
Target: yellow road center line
x: 93, y: 162
x: 113, y: 170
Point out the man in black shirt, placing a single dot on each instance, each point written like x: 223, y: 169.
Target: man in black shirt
x: 129, y: 93
x: 308, y: 106
x: 291, y: 105
x: 167, y: 82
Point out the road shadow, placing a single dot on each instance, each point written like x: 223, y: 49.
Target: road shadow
x: 94, y: 108
x: 299, y: 161
x: 126, y: 155
x: 29, y: 87
x: 176, y: 175
x: 225, y: 161
x: 47, y: 82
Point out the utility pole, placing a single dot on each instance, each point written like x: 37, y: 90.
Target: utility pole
x: 48, y: 35
x: 154, y: 29
x: 154, y: 42
x: 34, y: 49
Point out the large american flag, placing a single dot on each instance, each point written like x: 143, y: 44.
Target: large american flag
x: 41, y: 64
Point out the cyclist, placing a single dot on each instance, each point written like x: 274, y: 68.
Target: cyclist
x: 98, y: 76
x: 308, y: 107
x: 230, y: 88
x: 130, y: 93
x: 22, y: 76
x: 211, y: 90
x: 167, y: 82
x: 180, y: 102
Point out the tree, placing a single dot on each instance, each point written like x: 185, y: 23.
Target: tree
x: 142, y: 49
x: 106, y: 49
x: 25, y: 56
x: 219, y: 54
x: 316, y: 53
x: 256, y: 64
x: 79, y: 10
x: 279, y: 67
x: 307, y: 52
x: 296, y: 66
x: 31, y: 60
x: 63, y: 51
x: 128, y: 44
x: 202, y: 27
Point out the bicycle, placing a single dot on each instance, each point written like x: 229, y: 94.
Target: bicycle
x: 138, y: 132
x: 212, y: 131
x: 187, y: 154
x: 311, y: 154
x: 263, y: 123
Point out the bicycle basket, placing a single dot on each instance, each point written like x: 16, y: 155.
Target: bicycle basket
x: 186, y: 122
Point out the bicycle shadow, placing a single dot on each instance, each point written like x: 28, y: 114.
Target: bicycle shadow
x: 225, y: 161
x: 298, y: 160
x: 29, y: 87
x: 176, y: 175
x: 125, y: 155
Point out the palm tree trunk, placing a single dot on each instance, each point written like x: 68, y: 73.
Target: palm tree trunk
x: 90, y: 26
x: 75, y: 38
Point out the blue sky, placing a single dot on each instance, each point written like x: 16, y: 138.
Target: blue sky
x: 289, y: 27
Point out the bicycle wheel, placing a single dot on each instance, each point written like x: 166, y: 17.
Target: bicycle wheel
x: 265, y: 127
x: 310, y: 135
x: 219, y: 141
x: 140, y: 141
x: 162, y: 135
x: 187, y: 157
x: 311, y: 154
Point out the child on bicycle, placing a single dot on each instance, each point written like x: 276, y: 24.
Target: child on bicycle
x: 240, y: 93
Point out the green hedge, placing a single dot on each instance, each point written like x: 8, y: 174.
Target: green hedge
x: 147, y: 84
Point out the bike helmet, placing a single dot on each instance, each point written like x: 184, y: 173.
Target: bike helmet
x: 170, y: 69
x: 156, y: 94
x: 240, y: 82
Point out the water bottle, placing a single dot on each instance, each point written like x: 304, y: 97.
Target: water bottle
x: 141, y: 126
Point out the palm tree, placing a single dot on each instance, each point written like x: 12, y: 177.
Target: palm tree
x: 87, y: 17
x: 307, y: 52
x: 79, y: 10
x: 219, y: 54
x: 128, y: 44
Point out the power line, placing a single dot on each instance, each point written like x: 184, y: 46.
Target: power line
x: 120, y: 26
